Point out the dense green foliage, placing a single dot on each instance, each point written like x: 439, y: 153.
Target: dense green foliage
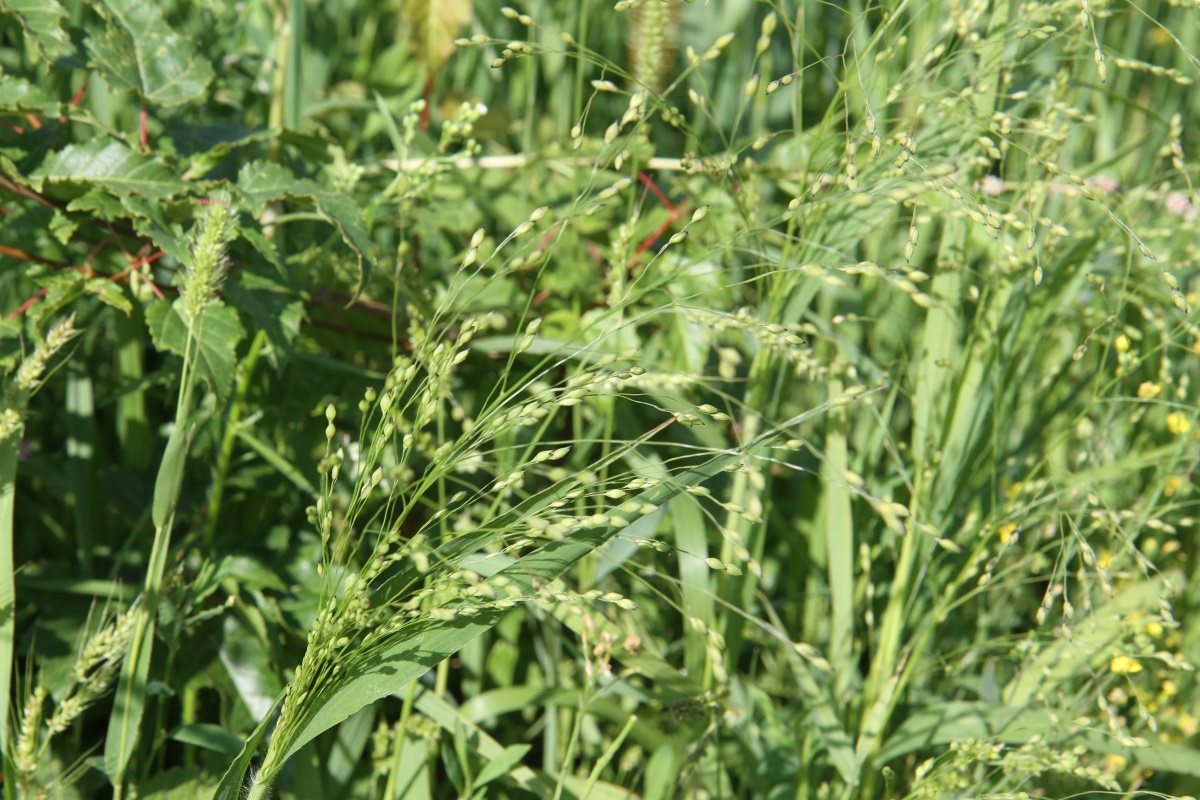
x: 732, y: 399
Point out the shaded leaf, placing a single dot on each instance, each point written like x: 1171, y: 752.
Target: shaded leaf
x: 433, y: 27
x: 182, y: 783
x: 271, y: 308
x: 262, y: 182
x: 209, y: 736
x: 215, y: 348
x: 138, y: 51
x: 150, y: 220
x: 281, y: 464
x: 230, y: 787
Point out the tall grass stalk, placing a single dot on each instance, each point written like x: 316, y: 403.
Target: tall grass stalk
x: 201, y: 282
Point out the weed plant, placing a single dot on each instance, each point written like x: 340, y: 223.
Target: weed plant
x: 761, y: 399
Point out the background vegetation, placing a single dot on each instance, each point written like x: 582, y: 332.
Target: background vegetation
x: 758, y: 399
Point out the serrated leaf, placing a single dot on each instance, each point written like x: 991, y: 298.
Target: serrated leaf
x: 138, y: 51
x: 271, y: 308
x: 42, y: 22
x: 147, y: 217
x: 110, y: 294
x: 433, y: 27
x: 217, y: 337
x: 112, y: 166
x: 207, y: 147
x: 62, y: 226
x: 150, y: 220
x: 262, y: 182
x: 18, y: 95
x: 61, y: 286
x: 265, y: 248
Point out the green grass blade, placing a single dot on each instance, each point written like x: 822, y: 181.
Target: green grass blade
x: 129, y: 703
x: 81, y: 448
x: 839, y: 544
x: 10, y: 447
x: 385, y: 669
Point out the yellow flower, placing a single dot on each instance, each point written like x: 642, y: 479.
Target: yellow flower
x: 1006, y: 532
x: 1149, y: 390
x: 1169, y: 688
x: 1114, y: 763
x: 1125, y: 665
x: 1177, y: 423
x: 1122, y: 343
x: 1154, y: 629
x: 1104, y: 559
x: 1173, y: 484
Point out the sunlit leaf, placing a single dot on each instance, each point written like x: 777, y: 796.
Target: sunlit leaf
x: 433, y: 27
x: 112, y: 166
x: 137, y: 51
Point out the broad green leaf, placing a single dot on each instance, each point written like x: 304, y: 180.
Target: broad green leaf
x: 271, y: 307
x: 137, y: 51
x: 216, y: 339
x: 62, y: 226
x: 207, y: 147
x: 42, y: 22
x: 18, y: 95
x: 150, y: 219
x: 433, y: 27
x: 111, y: 166
x: 111, y: 294
x: 262, y: 182
x: 265, y: 247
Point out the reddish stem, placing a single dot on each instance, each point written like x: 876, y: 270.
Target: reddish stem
x: 653, y: 187
x: 674, y: 213
x: 425, y: 111
x: 76, y: 99
x: 25, y: 306
x: 21, y: 255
